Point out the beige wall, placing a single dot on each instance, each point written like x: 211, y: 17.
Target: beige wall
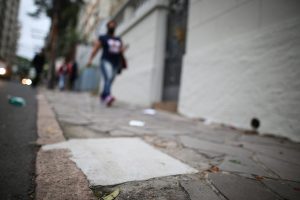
x: 242, y: 61
x: 92, y: 14
x: 141, y: 83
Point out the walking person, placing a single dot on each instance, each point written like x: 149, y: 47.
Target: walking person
x: 73, y: 74
x: 38, y: 63
x: 110, y: 62
x: 63, y: 74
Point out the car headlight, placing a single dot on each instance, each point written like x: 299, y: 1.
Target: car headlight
x: 2, y: 71
x: 26, y: 81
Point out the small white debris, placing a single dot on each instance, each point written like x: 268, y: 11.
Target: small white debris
x: 149, y: 111
x: 137, y: 123
x: 208, y: 121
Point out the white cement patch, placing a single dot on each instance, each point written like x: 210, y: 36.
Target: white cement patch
x: 118, y: 160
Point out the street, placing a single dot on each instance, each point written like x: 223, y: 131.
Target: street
x: 17, y: 137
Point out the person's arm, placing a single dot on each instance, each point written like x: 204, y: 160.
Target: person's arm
x: 96, y: 48
x: 124, y: 48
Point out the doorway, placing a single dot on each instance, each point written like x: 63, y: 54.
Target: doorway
x: 175, y: 49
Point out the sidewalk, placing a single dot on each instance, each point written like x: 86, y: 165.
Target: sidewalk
x: 231, y: 164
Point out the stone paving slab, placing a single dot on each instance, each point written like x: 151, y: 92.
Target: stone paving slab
x: 200, y: 190
x: 75, y: 131
x: 216, y: 134
x: 283, y: 169
x: 257, y: 139
x: 277, y: 152
x: 244, y: 165
x: 190, y: 157
x: 214, y: 147
x: 235, y: 187
x: 285, y: 189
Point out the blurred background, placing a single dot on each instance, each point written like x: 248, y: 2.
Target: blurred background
x: 226, y: 61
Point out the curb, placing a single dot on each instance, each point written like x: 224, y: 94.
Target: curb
x: 49, y: 131
x: 57, y: 176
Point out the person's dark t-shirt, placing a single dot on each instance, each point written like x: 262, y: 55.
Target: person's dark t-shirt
x: 111, y: 49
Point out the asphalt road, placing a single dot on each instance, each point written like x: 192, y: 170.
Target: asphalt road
x: 17, y: 133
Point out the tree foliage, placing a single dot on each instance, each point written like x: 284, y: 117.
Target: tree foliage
x: 67, y: 14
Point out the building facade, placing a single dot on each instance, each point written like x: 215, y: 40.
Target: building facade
x: 9, y: 30
x: 91, y: 23
x: 142, y: 25
x: 92, y: 14
x: 240, y: 61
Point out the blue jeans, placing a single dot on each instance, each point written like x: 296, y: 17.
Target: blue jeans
x: 109, y: 72
x: 61, y: 81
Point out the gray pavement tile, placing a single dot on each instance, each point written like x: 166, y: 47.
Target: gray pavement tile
x: 161, y: 143
x: 213, y: 136
x: 121, y: 133
x: 283, y: 169
x: 71, y: 131
x: 285, y: 189
x: 244, y: 165
x: 189, y: 157
x: 261, y: 139
x: 171, y: 132
x: 239, y: 188
x: 137, y: 130
x: 74, y: 120
x: 277, y: 152
x: 199, y: 190
x: 211, y: 155
x: 214, y: 147
x: 101, y: 128
x: 173, y: 117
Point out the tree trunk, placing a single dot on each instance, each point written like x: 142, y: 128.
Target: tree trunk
x: 53, y: 47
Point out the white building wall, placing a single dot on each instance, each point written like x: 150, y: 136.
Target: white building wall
x: 242, y: 61
x: 141, y: 83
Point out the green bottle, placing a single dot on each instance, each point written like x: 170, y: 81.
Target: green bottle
x: 17, y: 101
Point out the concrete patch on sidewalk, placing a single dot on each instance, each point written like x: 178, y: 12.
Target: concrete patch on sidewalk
x: 113, y: 161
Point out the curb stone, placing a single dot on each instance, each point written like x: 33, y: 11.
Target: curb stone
x: 57, y: 177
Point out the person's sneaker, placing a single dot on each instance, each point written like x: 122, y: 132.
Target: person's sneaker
x: 109, y: 100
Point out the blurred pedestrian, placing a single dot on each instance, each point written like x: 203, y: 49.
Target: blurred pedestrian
x: 63, y: 74
x: 111, y: 58
x: 73, y: 74
x: 38, y: 64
